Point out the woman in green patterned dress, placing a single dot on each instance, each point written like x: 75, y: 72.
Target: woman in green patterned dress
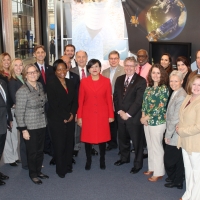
x: 153, y: 117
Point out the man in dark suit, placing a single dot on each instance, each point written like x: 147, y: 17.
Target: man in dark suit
x: 128, y: 96
x: 47, y: 74
x: 5, y: 115
x: 81, y: 71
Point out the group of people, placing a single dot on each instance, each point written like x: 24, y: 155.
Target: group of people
x: 52, y: 106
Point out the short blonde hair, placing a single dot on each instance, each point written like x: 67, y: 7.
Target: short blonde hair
x: 177, y: 73
x: 25, y: 70
x: 191, y: 81
x: 11, y: 70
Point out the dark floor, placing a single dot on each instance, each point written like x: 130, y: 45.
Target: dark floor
x: 114, y: 183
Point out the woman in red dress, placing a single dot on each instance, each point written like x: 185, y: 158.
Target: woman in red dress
x: 95, y: 111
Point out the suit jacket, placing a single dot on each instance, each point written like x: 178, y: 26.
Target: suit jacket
x: 95, y: 108
x: 132, y: 101
x: 172, y: 115
x: 49, y: 73
x: 13, y: 86
x: 76, y: 79
x: 61, y: 103
x: 119, y: 71
x: 189, y: 126
x: 30, y: 105
x: 76, y: 71
x: 4, y: 109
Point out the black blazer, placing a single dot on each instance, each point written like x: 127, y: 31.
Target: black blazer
x: 13, y: 86
x: 76, y: 79
x: 49, y: 73
x: 132, y: 101
x: 61, y: 103
x: 4, y: 109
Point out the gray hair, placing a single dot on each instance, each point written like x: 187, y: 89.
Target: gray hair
x: 177, y: 73
x: 131, y: 59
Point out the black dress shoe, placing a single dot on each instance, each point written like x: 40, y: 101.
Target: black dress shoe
x: 102, y: 165
x: 3, y: 176
x: 52, y: 162
x: 36, y: 181
x: 168, y: 180
x: 43, y: 176
x: 120, y: 162
x: 171, y: 185
x: 108, y: 148
x: 94, y: 152
x: 2, y: 182
x: 14, y: 164
x: 75, y: 153
x: 133, y: 150
x: 61, y: 176
x: 88, y: 165
x: 134, y: 170
x: 69, y: 170
x: 145, y: 155
x: 18, y: 161
x: 73, y: 161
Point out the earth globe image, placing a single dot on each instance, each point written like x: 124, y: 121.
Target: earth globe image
x: 165, y: 19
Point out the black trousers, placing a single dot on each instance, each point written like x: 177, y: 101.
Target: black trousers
x: 113, y: 130
x: 23, y: 153
x: 34, y: 149
x: 63, y: 142
x: 127, y: 131
x: 2, y: 143
x: 173, y: 161
x: 102, y: 149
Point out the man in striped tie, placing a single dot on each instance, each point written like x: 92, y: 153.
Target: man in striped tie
x: 128, y: 97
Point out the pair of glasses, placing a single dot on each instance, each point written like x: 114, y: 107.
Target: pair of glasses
x: 32, y: 73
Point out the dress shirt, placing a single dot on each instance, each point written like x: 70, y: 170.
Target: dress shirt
x: 67, y: 75
x: 43, y: 65
x: 73, y: 63
x: 112, y: 73
x: 144, y: 71
x: 80, y: 71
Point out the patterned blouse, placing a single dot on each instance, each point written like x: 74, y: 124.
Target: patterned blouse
x: 155, y: 103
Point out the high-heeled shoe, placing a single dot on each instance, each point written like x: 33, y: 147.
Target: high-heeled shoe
x: 148, y: 173
x: 88, y: 165
x: 52, y: 162
x: 155, y: 178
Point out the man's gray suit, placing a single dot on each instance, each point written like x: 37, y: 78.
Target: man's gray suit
x: 113, y: 126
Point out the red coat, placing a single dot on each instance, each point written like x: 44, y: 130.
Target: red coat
x: 95, y: 108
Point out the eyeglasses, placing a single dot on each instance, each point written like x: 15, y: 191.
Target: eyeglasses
x: 32, y: 73
x: 141, y: 56
x: 113, y: 58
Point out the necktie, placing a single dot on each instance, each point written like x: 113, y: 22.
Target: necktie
x: 43, y: 74
x: 140, y: 69
x: 2, y: 93
x: 83, y: 74
x: 126, y: 85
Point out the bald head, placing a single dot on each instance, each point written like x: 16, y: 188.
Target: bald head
x: 67, y: 61
x: 81, y: 58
